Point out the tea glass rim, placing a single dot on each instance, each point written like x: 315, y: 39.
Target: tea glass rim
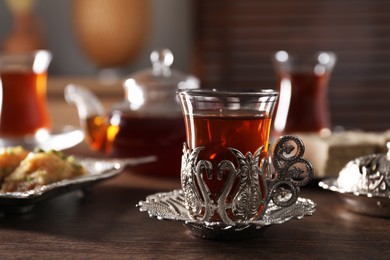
x: 228, y: 93
x: 24, y: 53
x: 306, y: 53
x: 328, y: 58
x: 37, y: 60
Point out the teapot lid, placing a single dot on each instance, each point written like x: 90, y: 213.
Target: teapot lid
x: 162, y: 75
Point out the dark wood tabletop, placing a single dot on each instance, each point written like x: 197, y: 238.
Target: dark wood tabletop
x: 105, y: 224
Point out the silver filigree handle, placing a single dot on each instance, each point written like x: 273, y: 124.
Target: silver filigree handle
x: 290, y: 172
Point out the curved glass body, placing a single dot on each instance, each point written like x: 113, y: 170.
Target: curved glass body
x: 303, y: 87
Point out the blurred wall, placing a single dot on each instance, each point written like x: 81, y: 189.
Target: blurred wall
x: 171, y: 28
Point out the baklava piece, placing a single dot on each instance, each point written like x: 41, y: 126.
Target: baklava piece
x: 10, y: 158
x: 41, y: 168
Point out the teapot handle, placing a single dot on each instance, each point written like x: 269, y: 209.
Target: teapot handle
x: 86, y: 102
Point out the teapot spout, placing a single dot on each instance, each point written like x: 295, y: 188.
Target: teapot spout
x: 86, y: 102
x: 91, y: 115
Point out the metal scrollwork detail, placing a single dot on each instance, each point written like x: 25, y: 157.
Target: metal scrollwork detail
x: 252, y: 190
x: 249, y: 183
x: 374, y: 174
x: 291, y: 171
x: 189, y: 180
x: 249, y: 194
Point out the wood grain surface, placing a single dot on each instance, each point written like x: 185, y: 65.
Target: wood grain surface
x: 105, y: 224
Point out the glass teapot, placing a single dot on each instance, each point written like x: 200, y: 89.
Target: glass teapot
x: 147, y: 122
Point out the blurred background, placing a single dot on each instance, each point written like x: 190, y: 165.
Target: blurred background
x: 228, y: 43
x: 170, y: 26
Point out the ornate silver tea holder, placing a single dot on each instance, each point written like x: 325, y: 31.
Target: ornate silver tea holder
x: 255, y: 193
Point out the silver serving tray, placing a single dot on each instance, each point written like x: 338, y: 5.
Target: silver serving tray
x: 97, y: 170
x: 171, y: 206
x: 361, y: 202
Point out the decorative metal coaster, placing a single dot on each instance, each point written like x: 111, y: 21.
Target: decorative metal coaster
x: 171, y: 206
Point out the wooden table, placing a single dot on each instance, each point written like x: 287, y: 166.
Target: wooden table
x: 105, y: 224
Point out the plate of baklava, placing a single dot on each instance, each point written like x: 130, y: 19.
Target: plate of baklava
x: 28, y: 177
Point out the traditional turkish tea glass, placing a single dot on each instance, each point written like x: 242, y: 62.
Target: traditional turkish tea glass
x: 23, y: 94
x: 303, y: 86
x: 225, y: 174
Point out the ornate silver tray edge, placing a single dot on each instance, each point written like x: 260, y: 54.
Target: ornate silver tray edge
x: 171, y: 206
x: 331, y: 184
x: 360, y: 202
x: 97, y: 170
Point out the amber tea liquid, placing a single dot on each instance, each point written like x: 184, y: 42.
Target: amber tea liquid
x: 308, y: 110
x: 141, y: 136
x: 24, y: 108
x: 245, y: 131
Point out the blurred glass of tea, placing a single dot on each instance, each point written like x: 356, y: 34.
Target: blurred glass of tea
x: 303, y: 86
x: 23, y: 93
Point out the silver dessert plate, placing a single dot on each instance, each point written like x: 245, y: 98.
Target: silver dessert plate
x: 60, y: 138
x: 97, y: 170
x: 171, y: 206
x: 359, y: 202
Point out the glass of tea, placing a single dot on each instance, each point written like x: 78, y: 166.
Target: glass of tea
x: 227, y: 136
x: 302, y: 80
x: 23, y: 93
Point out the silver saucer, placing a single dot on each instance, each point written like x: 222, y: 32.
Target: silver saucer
x: 60, y: 138
x: 171, y: 206
x: 362, y: 202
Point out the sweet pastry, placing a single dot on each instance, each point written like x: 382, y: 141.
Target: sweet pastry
x: 10, y: 158
x: 329, y: 154
x: 41, y: 168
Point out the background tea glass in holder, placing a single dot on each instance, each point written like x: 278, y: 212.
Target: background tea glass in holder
x: 23, y: 94
x: 303, y: 86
